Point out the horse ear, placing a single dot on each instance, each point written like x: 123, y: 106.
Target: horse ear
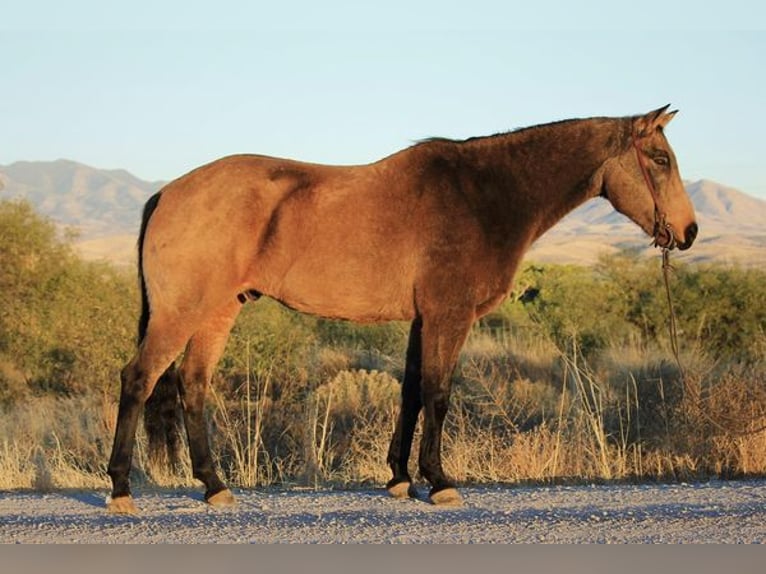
x: 664, y: 119
x: 648, y: 124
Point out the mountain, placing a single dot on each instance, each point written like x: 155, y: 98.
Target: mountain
x: 716, y: 204
x: 105, y: 206
x: 731, y: 230
x: 97, y: 202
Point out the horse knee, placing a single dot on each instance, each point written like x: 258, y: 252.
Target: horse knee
x: 436, y: 404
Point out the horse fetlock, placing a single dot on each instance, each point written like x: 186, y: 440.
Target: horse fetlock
x: 119, y: 472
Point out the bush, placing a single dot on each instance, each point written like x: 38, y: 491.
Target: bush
x: 622, y: 299
x: 65, y: 325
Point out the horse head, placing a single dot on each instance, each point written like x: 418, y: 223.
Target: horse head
x: 643, y: 182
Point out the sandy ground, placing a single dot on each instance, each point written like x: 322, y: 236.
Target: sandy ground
x: 733, y: 512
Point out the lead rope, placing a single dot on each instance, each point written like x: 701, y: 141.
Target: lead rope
x: 673, y: 330
x: 661, y: 224
x: 673, y: 333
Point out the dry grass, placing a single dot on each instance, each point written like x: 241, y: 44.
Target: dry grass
x: 522, y: 411
x: 48, y: 443
x: 350, y: 420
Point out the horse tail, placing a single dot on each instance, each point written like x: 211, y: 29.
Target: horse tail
x: 162, y: 412
x: 143, y: 321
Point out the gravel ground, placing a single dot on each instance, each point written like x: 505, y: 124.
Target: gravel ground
x: 719, y: 511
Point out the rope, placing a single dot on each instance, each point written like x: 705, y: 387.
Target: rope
x: 666, y: 269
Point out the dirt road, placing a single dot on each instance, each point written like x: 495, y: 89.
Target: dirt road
x: 706, y: 512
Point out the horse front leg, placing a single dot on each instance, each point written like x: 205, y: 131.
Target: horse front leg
x: 400, y: 486
x: 442, y: 339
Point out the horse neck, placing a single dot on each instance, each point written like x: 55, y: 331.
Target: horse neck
x: 548, y: 171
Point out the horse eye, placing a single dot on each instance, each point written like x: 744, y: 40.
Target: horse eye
x: 661, y: 160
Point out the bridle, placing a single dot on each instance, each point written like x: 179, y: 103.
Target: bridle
x: 660, y: 221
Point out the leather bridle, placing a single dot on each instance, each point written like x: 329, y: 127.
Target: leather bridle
x: 660, y: 221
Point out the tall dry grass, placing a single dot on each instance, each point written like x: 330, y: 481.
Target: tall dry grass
x: 523, y: 410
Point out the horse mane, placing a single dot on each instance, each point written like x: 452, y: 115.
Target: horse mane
x: 499, y: 135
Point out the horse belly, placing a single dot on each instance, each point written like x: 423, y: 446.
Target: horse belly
x: 365, y: 290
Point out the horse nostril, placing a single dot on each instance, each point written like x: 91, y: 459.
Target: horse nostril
x: 691, y: 234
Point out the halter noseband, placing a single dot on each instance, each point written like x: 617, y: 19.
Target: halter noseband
x: 660, y: 222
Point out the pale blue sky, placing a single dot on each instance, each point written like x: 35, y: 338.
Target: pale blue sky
x: 160, y: 89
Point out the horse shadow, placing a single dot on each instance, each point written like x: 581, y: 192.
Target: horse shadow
x: 94, y: 498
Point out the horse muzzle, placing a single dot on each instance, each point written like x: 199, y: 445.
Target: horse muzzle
x: 689, y: 236
x: 665, y: 237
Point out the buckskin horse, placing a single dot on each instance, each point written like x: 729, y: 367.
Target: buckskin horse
x: 432, y: 234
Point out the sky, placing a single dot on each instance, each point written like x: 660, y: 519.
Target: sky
x: 160, y: 88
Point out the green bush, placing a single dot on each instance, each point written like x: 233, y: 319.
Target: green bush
x: 65, y: 325
x: 719, y: 310
x: 384, y: 338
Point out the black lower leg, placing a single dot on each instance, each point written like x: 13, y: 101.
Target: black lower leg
x: 125, y: 434
x: 196, y: 429
x: 443, y: 337
x: 430, y: 463
x: 401, y: 443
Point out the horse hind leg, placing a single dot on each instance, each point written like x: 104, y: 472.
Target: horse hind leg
x: 162, y: 343
x: 202, y: 354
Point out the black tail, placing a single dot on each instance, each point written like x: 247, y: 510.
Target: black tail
x: 143, y: 321
x: 162, y: 413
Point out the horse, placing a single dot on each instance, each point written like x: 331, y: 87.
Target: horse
x: 432, y: 234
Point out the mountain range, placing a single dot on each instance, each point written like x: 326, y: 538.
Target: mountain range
x: 104, y: 206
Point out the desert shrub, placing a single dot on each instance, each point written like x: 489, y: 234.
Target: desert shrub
x: 268, y: 341
x: 573, y: 305
x: 65, y: 325
x: 719, y: 309
x: 350, y: 420
x: 723, y: 309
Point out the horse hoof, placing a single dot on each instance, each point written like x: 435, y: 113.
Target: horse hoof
x: 446, y: 497
x: 222, y: 499
x: 121, y: 505
x: 402, y: 490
